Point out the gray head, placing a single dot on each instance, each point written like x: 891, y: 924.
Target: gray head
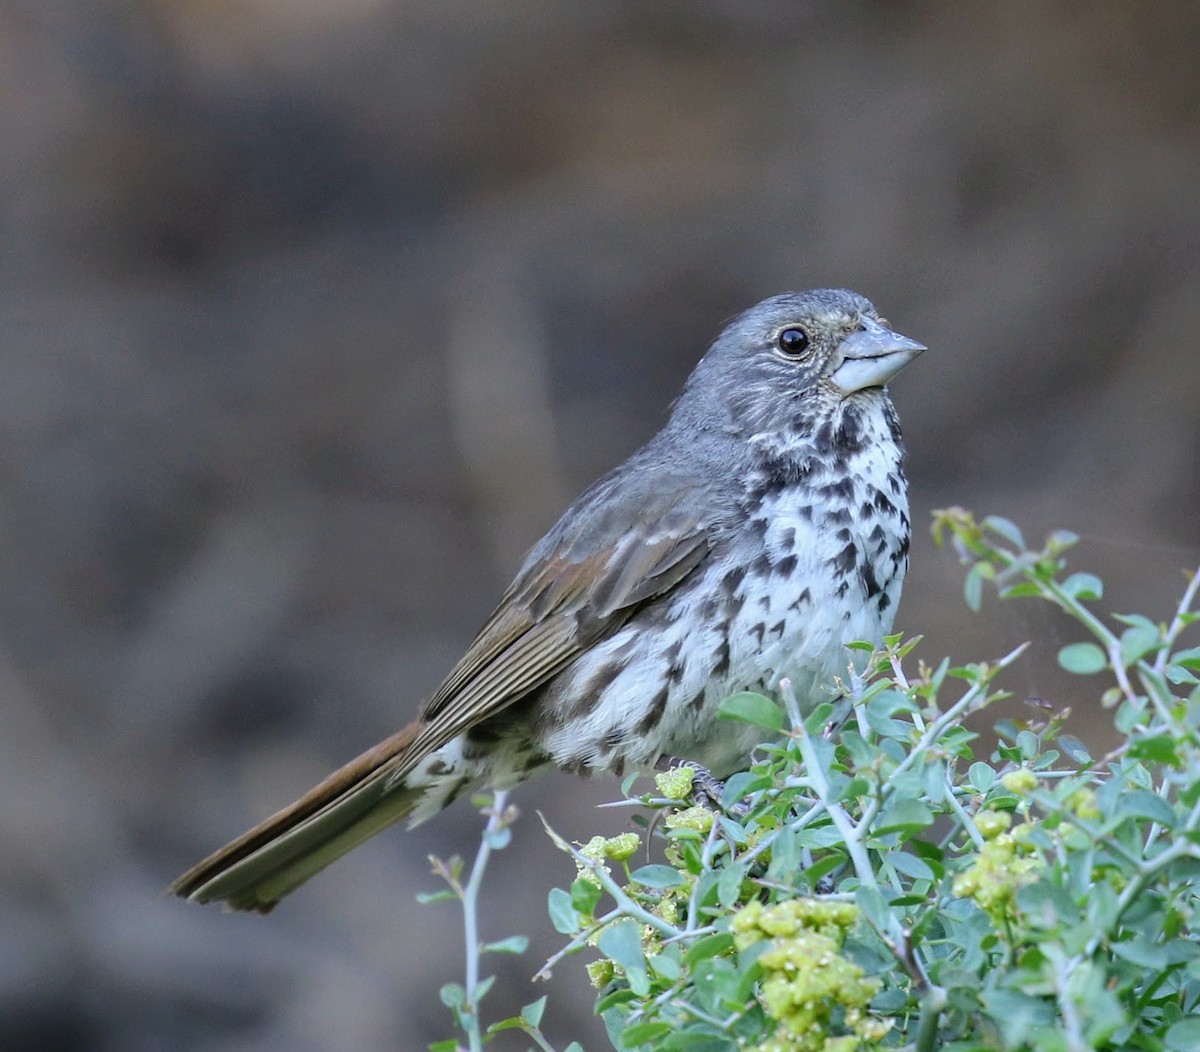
x: 794, y: 357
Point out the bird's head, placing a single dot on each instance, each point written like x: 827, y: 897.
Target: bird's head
x: 800, y: 354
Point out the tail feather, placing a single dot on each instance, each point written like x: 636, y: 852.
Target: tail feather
x: 275, y: 857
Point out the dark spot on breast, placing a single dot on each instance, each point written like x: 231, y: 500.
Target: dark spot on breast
x: 783, y: 472
x: 654, y: 714
x: 764, y: 601
x: 849, y: 432
x: 787, y: 539
x: 867, y: 511
x: 722, y: 663
x: 759, y: 526
x: 597, y: 683
x: 843, y: 489
x: 613, y: 738
x: 846, y: 559
x: 786, y: 565
x: 869, y: 582
x: 732, y: 579
x: 842, y: 589
x: 697, y: 703
x: 823, y: 438
x: 885, y: 601
x: 439, y: 768
x: 885, y: 506
x: 758, y: 630
x: 777, y: 628
x: 836, y: 516
x: 761, y: 565
x: 804, y: 597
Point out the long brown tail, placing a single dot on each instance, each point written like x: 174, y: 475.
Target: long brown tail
x: 274, y: 858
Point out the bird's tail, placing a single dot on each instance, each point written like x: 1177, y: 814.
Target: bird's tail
x: 275, y: 857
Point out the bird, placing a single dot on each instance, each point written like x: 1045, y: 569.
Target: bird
x: 762, y: 529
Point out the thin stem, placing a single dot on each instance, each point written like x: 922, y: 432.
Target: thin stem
x: 977, y: 694
x: 470, y: 906
x: 1178, y: 624
x: 933, y: 1003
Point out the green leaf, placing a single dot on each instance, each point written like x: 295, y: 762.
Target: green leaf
x: 532, y: 1013
x: 1180, y: 676
x: 729, y: 885
x: 562, y: 912
x: 620, y: 996
x: 424, y: 897
x: 709, y: 946
x: 666, y: 965
x: 1158, y: 748
x: 511, y: 1023
x: 1188, y: 659
x: 657, y: 876
x: 1138, y: 641
x: 453, y: 995
x: 1008, y: 530
x: 1074, y: 748
x: 445, y: 1046
x: 585, y: 894
x: 903, y: 814
x: 1084, y: 586
x: 1184, y: 1036
x: 640, y: 1033
x: 1142, y: 803
x: 973, y: 585
x: 1084, y: 659
x: 623, y: 944
x: 1143, y: 952
x: 757, y: 709
x: 513, y: 944
x: 1016, y: 1014
x: 981, y: 776
x: 911, y: 866
x: 498, y: 839
x: 742, y: 784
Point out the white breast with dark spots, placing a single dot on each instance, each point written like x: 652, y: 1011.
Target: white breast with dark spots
x: 813, y: 563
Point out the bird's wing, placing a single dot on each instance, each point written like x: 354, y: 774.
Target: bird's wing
x: 579, y: 586
x: 615, y: 549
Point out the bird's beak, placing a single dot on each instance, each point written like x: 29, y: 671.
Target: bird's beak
x: 871, y: 356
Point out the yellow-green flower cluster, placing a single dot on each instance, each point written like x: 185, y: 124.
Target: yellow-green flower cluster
x: 601, y: 973
x: 806, y: 981
x: 1004, y: 865
x: 599, y: 848
x: 1083, y: 803
x: 698, y: 818
x: 1022, y: 781
x: 676, y: 783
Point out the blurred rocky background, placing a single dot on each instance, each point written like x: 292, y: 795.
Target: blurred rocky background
x: 313, y: 315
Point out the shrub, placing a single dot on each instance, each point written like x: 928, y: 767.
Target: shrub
x: 884, y: 877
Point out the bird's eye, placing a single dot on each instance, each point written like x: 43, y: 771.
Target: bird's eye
x: 793, y: 342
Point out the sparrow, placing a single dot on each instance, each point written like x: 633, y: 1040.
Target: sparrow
x: 760, y: 531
